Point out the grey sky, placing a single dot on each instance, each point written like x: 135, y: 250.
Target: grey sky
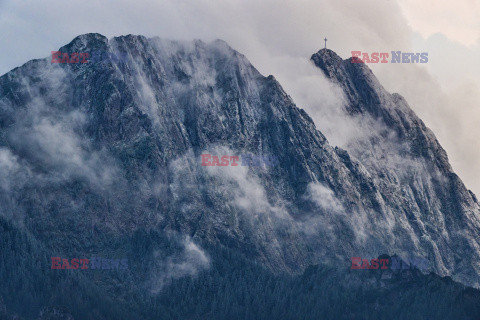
x: 278, y: 36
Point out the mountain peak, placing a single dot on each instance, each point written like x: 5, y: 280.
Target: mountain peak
x: 84, y: 42
x: 403, y: 149
x: 325, y: 58
x: 324, y: 52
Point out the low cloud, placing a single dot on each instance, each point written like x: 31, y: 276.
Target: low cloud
x: 245, y: 188
x: 324, y: 197
x: 45, y: 145
x: 187, y: 263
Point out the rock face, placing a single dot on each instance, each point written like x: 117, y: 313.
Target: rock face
x: 433, y: 211
x: 91, y: 154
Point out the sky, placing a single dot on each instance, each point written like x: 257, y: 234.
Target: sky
x: 279, y: 36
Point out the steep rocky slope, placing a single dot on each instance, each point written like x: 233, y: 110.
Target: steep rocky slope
x: 94, y: 154
x: 438, y: 215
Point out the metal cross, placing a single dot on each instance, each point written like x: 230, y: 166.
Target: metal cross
x: 325, y: 43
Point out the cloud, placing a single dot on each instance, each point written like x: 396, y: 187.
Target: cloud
x: 45, y: 147
x: 58, y: 148
x: 10, y: 170
x: 459, y: 20
x: 325, y: 215
x: 48, y: 142
x: 187, y: 263
x: 324, y: 197
x: 244, y: 187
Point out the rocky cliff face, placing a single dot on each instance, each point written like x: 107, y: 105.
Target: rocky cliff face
x: 94, y: 153
x: 427, y: 199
